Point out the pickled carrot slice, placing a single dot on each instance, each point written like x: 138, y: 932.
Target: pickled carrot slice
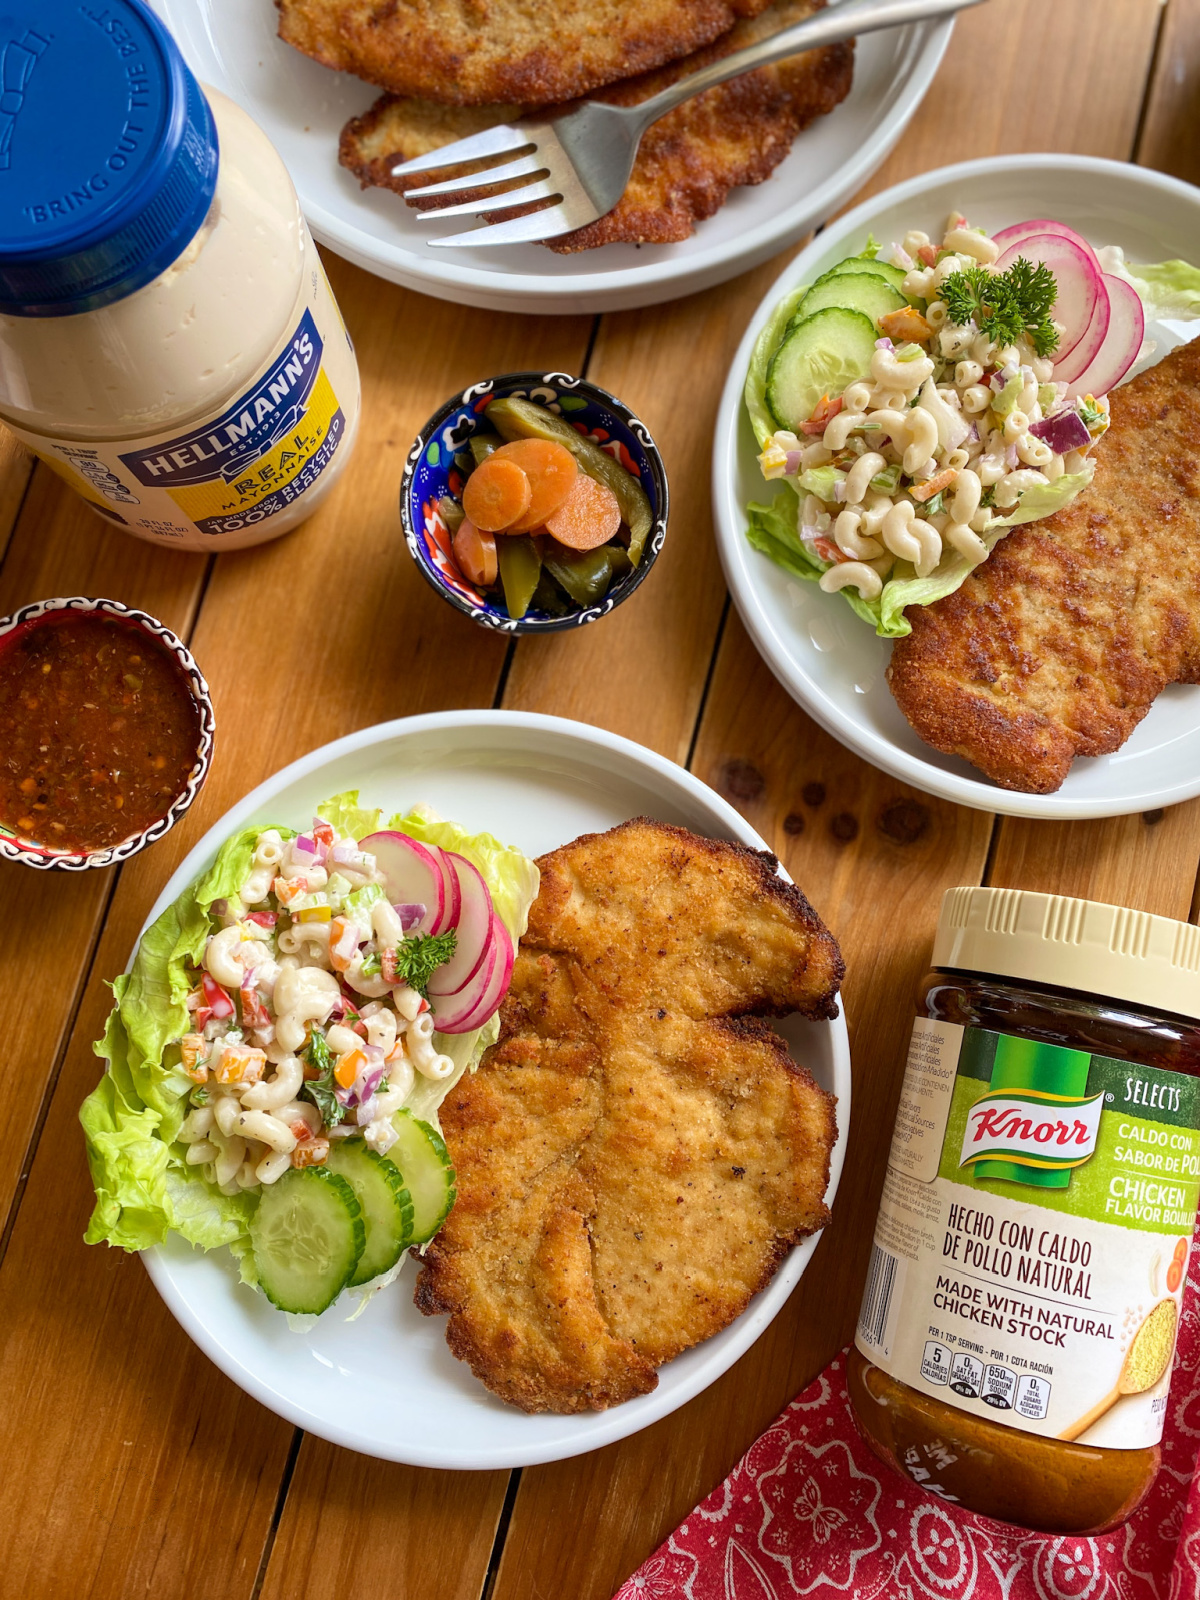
x: 497, y: 494
x: 551, y: 470
x: 587, y: 518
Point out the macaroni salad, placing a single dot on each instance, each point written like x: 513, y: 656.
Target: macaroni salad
x: 935, y: 448
x: 305, y: 1028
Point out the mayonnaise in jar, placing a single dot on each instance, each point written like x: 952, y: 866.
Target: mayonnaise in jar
x: 169, y: 343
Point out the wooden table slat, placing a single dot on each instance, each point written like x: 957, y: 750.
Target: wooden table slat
x: 49, y: 921
x: 301, y: 640
x: 1170, y: 134
x: 858, y: 843
x: 134, y: 1466
x: 873, y: 855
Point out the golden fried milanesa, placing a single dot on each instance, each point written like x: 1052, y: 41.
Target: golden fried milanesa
x: 470, y: 52
x: 735, y: 134
x: 1057, y: 645
x: 638, y: 1152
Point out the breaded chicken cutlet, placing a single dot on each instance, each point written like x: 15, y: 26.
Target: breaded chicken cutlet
x: 638, y: 1152
x: 687, y: 163
x: 1057, y: 645
x: 472, y: 52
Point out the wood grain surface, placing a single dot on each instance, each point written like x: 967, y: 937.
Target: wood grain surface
x: 133, y: 1466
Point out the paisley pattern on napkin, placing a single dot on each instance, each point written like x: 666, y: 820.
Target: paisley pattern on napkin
x: 810, y: 1511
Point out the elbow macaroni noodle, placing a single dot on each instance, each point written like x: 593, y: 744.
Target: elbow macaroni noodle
x: 251, y: 1053
x: 926, y: 416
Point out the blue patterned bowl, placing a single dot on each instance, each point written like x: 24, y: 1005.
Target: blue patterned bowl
x: 438, y: 460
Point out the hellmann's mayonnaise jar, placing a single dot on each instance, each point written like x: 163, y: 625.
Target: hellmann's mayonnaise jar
x: 169, y: 344
x: 1018, y: 1328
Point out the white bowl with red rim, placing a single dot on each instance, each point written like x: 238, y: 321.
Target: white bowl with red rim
x: 14, y: 846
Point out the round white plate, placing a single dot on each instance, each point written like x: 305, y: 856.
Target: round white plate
x: 303, y: 107
x: 387, y: 1384
x: 827, y: 659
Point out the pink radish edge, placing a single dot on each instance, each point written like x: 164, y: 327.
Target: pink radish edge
x: 453, y: 895
x: 452, y: 1013
x: 1080, y: 283
x: 473, y: 929
x: 1123, y: 342
x: 1072, y: 362
x: 413, y: 874
x: 481, y: 996
x: 1029, y: 230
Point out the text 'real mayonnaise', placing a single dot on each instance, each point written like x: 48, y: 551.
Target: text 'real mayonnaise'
x: 169, y: 344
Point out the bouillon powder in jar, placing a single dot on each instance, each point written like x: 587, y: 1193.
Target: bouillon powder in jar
x: 1015, y: 1341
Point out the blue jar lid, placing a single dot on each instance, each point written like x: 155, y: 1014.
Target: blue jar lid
x: 108, y: 153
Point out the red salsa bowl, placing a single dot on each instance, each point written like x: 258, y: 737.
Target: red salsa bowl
x: 106, y: 732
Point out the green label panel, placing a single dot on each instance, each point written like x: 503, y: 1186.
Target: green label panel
x: 1130, y: 1158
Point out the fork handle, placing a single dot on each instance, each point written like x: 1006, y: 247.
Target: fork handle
x: 830, y: 26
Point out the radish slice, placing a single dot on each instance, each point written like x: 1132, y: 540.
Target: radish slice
x: 480, y: 998
x: 1069, y: 364
x: 1126, y: 330
x: 453, y: 902
x: 1080, y: 285
x: 412, y: 872
x: 452, y: 1013
x: 1021, y: 231
x: 501, y: 978
x: 473, y: 929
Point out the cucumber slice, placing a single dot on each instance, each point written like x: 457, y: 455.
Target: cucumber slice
x: 386, y: 1205
x: 819, y: 355
x: 881, y: 269
x: 420, y: 1153
x: 853, y: 291
x: 307, y: 1236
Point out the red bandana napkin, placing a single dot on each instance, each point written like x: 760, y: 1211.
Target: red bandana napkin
x: 809, y: 1510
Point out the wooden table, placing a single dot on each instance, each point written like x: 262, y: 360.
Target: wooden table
x: 130, y: 1464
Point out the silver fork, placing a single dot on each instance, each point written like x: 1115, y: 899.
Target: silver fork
x: 582, y: 160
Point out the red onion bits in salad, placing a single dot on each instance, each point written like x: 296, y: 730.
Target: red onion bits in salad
x: 277, y: 1053
x: 919, y: 404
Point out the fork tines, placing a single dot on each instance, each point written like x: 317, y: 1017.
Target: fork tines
x: 539, y: 156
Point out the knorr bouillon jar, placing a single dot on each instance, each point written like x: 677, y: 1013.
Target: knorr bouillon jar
x: 1015, y: 1342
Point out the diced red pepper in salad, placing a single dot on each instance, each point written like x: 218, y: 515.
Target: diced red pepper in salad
x: 823, y: 414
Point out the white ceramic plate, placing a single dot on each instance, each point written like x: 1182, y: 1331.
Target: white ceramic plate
x: 386, y: 1384
x: 827, y: 659
x: 303, y: 107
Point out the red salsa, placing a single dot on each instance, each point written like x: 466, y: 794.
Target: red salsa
x: 98, y: 731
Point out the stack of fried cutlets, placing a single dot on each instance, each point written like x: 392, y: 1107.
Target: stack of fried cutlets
x: 454, y: 67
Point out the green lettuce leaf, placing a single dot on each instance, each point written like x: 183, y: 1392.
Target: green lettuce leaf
x: 511, y: 877
x: 1043, y: 499
x: 1167, y: 288
x: 128, y: 1163
x: 765, y: 345
x: 132, y: 1117
x: 772, y: 530
x: 345, y: 814
x: 904, y: 588
x: 821, y: 481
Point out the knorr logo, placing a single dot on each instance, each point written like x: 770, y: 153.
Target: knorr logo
x: 1050, y: 1132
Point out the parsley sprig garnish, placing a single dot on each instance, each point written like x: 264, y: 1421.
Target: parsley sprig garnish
x: 415, y: 959
x: 1005, y: 305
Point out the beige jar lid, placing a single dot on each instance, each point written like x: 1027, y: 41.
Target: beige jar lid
x: 1072, y: 944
